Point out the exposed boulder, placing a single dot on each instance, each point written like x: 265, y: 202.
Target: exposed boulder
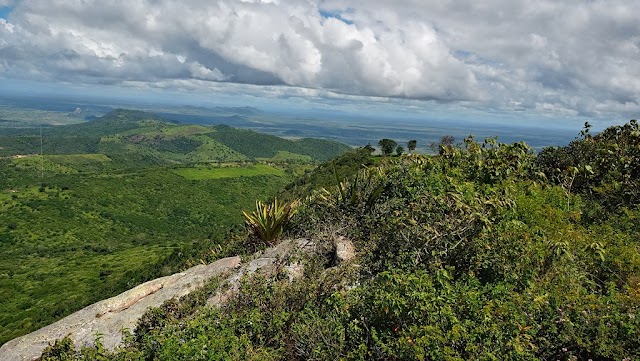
x: 109, y: 317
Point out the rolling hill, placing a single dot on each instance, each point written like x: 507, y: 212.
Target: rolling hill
x: 134, y: 138
x: 124, y: 198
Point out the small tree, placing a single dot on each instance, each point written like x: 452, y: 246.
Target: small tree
x: 387, y: 145
x: 411, y: 145
x: 446, y: 144
x: 447, y: 140
x: 369, y: 148
x: 399, y: 150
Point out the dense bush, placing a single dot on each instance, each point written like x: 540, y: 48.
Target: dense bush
x: 604, y: 168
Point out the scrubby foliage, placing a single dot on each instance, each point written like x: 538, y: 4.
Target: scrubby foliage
x: 150, y: 199
x: 604, y: 168
x: 325, y: 174
x: 471, y: 254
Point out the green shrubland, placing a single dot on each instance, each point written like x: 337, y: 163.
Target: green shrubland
x: 117, y: 201
x: 484, y: 251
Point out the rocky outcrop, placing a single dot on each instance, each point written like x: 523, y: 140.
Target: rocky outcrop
x: 109, y: 317
x: 267, y: 263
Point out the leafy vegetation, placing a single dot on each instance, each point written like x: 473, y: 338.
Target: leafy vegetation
x: 604, y: 168
x: 471, y: 254
x: 268, y: 221
x: 117, y: 201
x: 328, y: 174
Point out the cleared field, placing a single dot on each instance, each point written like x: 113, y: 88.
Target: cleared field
x: 202, y: 173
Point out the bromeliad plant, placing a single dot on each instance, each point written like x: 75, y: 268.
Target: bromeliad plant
x: 269, y: 220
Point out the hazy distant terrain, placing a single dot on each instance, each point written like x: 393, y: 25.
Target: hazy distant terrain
x: 352, y: 129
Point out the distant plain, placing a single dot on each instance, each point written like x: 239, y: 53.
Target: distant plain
x: 349, y: 128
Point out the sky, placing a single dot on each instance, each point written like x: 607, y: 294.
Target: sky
x: 520, y: 60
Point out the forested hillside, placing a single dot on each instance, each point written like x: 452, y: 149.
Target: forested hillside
x: 485, y: 251
x: 122, y: 199
x: 137, y: 138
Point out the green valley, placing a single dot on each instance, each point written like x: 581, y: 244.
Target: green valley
x: 120, y: 200
x: 319, y: 180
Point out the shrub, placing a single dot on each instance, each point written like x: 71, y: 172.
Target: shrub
x: 269, y: 221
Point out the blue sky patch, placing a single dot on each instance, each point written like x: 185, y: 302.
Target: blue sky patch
x: 335, y: 15
x: 4, y: 11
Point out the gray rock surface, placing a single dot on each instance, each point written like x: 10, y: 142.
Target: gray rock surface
x: 345, y: 250
x: 111, y: 316
x: 267, y: 263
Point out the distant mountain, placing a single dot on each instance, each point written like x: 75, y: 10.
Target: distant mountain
x: 136, y: 138
x: 256, y: 145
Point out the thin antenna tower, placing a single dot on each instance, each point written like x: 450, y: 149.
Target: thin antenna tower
x: 41, y: 156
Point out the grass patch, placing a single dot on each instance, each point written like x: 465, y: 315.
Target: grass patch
x: 202, y: 173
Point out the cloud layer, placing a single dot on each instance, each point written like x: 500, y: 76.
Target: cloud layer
x: 566, y: 58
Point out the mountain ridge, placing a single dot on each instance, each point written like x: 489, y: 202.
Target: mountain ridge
x: 151, y: 138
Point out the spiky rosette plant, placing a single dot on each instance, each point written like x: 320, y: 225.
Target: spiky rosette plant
x: 269, y: 220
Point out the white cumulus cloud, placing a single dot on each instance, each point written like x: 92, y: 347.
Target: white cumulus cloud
x: 573, y: 57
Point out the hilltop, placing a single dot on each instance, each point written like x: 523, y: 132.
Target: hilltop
x: 485, y: 251
x: 135, y: 137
